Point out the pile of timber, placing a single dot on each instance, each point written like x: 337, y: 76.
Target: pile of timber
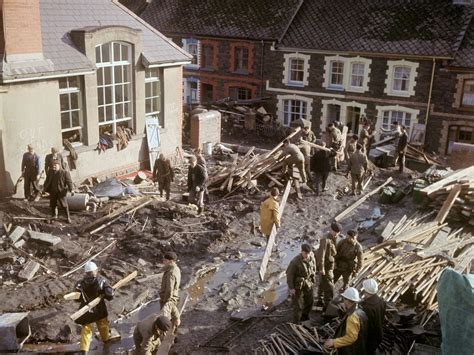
x: 244, y: 172
x: 433, y: 173
x: 418, y: 155
x: 458, y: 188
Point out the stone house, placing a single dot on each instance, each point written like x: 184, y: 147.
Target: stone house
x: 230, y: 42
x: 75, y: 70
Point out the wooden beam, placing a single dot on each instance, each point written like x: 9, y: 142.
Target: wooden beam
x: 448, y: 203
x: 274, y: 150
x: 274, y: 180
x: 458, y: 175
x: 359, y: 202
x: 271, y: 238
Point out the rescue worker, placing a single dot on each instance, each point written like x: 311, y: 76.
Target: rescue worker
x: 402, y: 148
x: 270, y: 213
x: 365, y: 138
x: 321, y: 166
x: 300, y: 277
x: 374, y: 307
x: 325, y: 259
x: 197, y: 178
x: 395, y: 132
x: 149, y: 333
x: 308, y: 135
x: 334, y: 141
x: 169, y: 291
x: 91, y: 287
x: 163, y: 173
x: 351, y: 146
x: 58, y: 182
x: 357, y: 166
x: 348, y: 258
x: 296, y: 157
x: 30, y: 170
x: 351, y: 335
x: 55, y: 155
x: 305, y: 148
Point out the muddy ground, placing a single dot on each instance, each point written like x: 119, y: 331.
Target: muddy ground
x: 219, y: 261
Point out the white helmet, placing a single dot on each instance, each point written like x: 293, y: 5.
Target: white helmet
x: 90, y: 266
x: 370, y: 286
x: 351, y: 294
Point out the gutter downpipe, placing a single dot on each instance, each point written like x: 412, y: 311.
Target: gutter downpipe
x: 262, y: 60
x: 428, y: 106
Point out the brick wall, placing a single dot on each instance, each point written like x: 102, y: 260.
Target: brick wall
x: 22, y: 27
x: 205, y: 127
x: 462, y: 156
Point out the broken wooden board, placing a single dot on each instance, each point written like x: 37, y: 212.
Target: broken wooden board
x: 17, y: 234
x: 29, y: 270
x: 387, y: 230
x: 168, y: 341
x: 359, y: 202
x: 444, y: 211
x: 44, y: 238
x: 271, y: 238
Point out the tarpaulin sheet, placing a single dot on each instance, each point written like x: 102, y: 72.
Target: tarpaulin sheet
x: 112, y: 188
x: 456, y: 312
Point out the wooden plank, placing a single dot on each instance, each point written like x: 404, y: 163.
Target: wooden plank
x: 271, y: 238
x: 468, y: 172
x: 29, y: 270
x: 444, y: 211
x: 274, y: 150
x: 168, y: 341
x: 274, y: 180
x: 387, y: 230
x: 359, y: 202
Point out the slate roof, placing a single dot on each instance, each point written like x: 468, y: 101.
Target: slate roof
x: 407, y: 27
x: 243, y: 19
x: 465, y: 55
x: 59, y: 17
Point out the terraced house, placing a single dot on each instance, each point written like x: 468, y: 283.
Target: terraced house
x: 76, y: 70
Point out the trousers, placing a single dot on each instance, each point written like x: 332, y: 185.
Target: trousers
x: 401, y: 161
x: 356, y: 180
x: 164, y: 184
x: 87, y: 331
x: 302, y: 304
x: 29, y: 182
x: 320, y: 178
x: 326, y: 286
x: 346, y: 275
x: 58, y: 199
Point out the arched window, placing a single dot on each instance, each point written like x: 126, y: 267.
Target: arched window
x: 114, y: 85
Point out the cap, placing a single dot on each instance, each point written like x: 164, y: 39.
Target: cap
x: 336, y: 226
x: 351, y: 294
x: 170, y: 255
x: 352, y: 233
x: 90, y: 266
x: 306, y: 248
x: 370, y: 286
x: 55, y: 161
x: 30, y: 146
x: 163, y: 323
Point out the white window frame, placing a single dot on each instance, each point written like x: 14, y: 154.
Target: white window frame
x: 344, y: 105
x: 390, y: 80
x: 113, y: 64
x: 471, y: 94
x: 188, y: 92
x: 154, y: 81
x: 381, y: 112
x: 348, y: 63
x: 68, y: 91
x: 187, y: 42
x: 287, y: 69
x: 281, y: 107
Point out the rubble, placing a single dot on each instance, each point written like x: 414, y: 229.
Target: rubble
x: 44, y: 238
x: 29, y: 271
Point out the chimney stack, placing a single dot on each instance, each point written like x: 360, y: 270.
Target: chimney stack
x: 21, y: 30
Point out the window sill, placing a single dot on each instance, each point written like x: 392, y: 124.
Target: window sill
x: 335, y: 88
x: 192, y: 66
x: 399, y: 94
x: 241, y: 72
x: 295, y: 84
x: 356, y: 89
x: 88, y: 148
x: 207, y: 69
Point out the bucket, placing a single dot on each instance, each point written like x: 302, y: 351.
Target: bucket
x: 139, y: 177
x: 207, y: 148
x: 78, y: 202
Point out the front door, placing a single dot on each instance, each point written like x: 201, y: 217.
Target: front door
x: 352, y: 119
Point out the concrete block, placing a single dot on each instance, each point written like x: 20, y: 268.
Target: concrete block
x: 20, y: 243
x: 7, y: 256
x: 44, y: 238
x: 29, y: 271
x: 14, y: 331
x: 17, y: 234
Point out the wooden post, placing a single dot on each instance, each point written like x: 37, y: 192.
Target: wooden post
x: 444, y: 211
x: 271, y: 238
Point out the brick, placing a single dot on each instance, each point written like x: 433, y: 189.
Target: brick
x: 29, y: 270
x: 17, y: 234
x: 44, y: 238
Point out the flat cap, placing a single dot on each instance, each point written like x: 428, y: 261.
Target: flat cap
x: 170, y: 255
x: 163, y: 323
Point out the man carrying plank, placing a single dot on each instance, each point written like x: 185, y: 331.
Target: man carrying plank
x: 91, y: 287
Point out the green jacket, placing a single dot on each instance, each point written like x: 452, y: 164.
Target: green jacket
x: 358, y: 163
x: 301, y: 273
x: 349, y: 256
x: 170, y: 284
x: 325, y: 256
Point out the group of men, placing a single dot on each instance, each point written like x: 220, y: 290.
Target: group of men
x: 333, y: 260
x: 149, y: 332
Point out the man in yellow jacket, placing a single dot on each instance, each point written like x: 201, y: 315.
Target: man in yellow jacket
x: 270, y: 213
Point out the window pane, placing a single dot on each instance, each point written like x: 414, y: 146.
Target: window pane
x: 100, y: 76
x: 108, y: 75
x: 126, y: 73
x: 126, y: 95
x: 101, y: 114
x: 63, y: 83
x: 74, y: 97
x: 108, y: 95
x: 109, y: 116
x: 73, y: 82
x: 125, y: 53
x: 468, y: 93
x: 119, y: 111
x: 116, y: 52
x: 118, y: 74
x: 118, y: 93
x: 75, y: 118
x: 128, y: 110
x: 98, y: 58
x: 106, y: 53
x: 100, y: 96
x: 65, y: 120
x: 64, y: 100
x: 148, y: 106
x: 148, y: 89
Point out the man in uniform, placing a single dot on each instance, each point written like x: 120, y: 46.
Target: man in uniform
x: 305, y: 148
x: 296, y: 157
x: 270, y: 213
x: 91, y: 287
x: 197, y: 178
x: 55, y: 155
x: 321, y: 166
x: 163, y: 173
x: 300, y: 276
x: 352, y: 334
x: 169, y: 291
x: 308, y: 135
x: 348, y: 258
x: 402, y: 149
x: 30, y: 170
x: 357, y: 166
x: 374, y: 307
x: 149, y: 333
x: 365, y: 138
x: 325, y: 258
x: 58, y: 182
x: 351, y: 146
x: 334, y: 141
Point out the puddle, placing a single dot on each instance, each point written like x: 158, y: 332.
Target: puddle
x: 196, y: 290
